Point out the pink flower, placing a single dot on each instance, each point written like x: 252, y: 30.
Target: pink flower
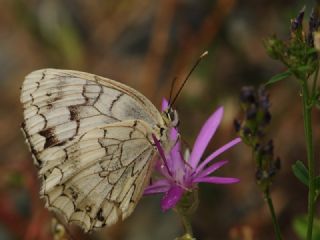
x: 183, y: 173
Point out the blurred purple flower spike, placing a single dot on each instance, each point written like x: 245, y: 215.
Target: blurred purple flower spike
x: 183, y: 173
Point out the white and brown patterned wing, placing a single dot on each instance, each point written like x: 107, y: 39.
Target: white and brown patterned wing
x: 61, y: 105
x: 98, y: 179
x: 90, y: 138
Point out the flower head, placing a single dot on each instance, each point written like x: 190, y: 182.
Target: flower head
x: 252, y: 130
x: 183, y: 173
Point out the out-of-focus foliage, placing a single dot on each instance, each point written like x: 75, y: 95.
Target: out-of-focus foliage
x: 300, y: 225
x: 145, y: 44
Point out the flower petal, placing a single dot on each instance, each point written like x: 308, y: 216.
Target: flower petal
x: 174, y: 134
x: 171, y: 198
x: 161, y: 152
x: 175, y: 151
x: 161, y: 168
x: 217, y: 153
x: 207, y: 171
x: 217, y: 180
x: 205, y: 135
x: 164, y: 105
x: 176, y: 162
x: 159, y: 186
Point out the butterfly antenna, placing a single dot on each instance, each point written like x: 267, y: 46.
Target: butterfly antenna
x: 186, y: 79
x: 171, y: 90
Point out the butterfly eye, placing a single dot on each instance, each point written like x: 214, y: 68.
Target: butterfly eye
x: 173, y: 117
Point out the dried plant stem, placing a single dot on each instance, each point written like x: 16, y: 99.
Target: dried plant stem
x: 307, y: 119
x: 158, y: 46
x: 276, y: 226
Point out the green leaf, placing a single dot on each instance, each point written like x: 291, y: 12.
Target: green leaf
x: 300, y: 226
x: 304, y: 68
x: 279, y: 77
x: 311, y: 51
x: 301, y: 172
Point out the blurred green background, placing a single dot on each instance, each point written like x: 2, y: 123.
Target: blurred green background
x: 145, y: 44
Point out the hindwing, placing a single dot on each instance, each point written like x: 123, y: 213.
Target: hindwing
x: 91, y: 139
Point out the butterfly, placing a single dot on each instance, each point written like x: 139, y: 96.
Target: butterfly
x: 92, y: 141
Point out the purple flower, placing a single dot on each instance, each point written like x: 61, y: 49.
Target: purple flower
x: 183, y: 173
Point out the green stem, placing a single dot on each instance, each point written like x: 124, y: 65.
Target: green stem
x: 314, y: 84
x: 307, y: 118
x: 185, y: 208
x: 186, y: 224
x: 185, y: 220
x: 273, y: 215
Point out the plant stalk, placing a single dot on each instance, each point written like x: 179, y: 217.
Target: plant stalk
x: 185, y: 208
x: 307, y: 118
x: 186, y: 224
x: 185, y: 220
x: 276, y: 226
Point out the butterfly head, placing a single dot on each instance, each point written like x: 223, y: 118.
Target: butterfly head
x: 171, y: 121
x: 170, y: 117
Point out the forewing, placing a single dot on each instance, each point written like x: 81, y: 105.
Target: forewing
x: 61, y: 105
x: 90, y: 137
x: 98, y: 179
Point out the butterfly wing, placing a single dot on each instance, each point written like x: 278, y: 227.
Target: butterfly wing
x: 100, y: 177
x: 90, y: 137
x: 61, y: 105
